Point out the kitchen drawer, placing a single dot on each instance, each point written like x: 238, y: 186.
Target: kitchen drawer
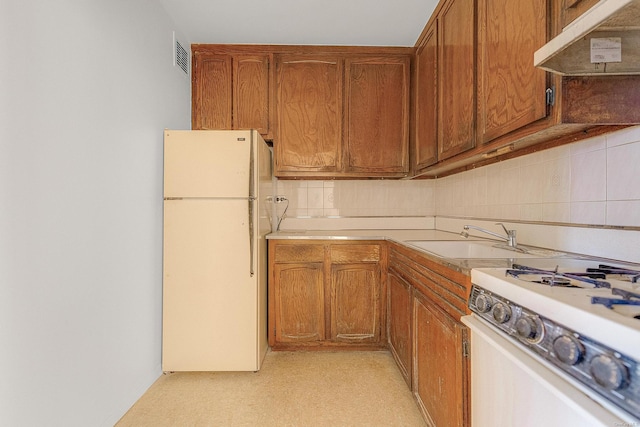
x: 298, y: 253
x: 355, y: 253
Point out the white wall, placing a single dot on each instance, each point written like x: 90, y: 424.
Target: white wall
x: 86, y: 88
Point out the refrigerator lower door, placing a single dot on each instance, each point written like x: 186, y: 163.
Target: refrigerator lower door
x: 211, y: 302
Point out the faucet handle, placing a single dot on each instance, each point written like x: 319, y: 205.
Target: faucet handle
x: 505, y: 228
x: 511, y: 235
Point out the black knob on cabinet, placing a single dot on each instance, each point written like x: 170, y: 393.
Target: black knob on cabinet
x: 483, y: 303
x: 501, y: 312
x: 608, y: 372
x: 568, y: 349
x: 527, y: 328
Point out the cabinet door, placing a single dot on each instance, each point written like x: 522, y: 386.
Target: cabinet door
x: 439, y: 387
x: 251, y: 86
x: 399, y: 323
x: 211, y: 91
x: 511, y: 91
x: 309, y: 114
x: 355, y: 303
x: 456, y: 62
x: 572, y: 9
x: 426, y: 84
x: 299, y: 302
x: 377, y: 115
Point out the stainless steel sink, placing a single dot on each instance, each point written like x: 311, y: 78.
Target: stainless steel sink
x: 477, y: 249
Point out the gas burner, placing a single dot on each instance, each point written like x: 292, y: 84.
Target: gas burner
x: 555, y: 281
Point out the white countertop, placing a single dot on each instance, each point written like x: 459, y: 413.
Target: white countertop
x: 399, y: 236
x: 405, y: 236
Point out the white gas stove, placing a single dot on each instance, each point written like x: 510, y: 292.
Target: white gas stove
x: 582, y: 324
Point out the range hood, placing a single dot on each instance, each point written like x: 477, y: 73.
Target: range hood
x: 605, y: 40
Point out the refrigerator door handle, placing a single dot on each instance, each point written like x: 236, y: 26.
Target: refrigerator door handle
x: 252, y: 199
x: 251, y: 239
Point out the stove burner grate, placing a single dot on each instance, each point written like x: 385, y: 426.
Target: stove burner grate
x: 610, y: 302
x: 592, y: 278
x: 555, y: 281
x: 634, y: 275
x: 628, y: 298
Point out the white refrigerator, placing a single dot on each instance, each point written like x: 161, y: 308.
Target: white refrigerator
x: 217, y: 192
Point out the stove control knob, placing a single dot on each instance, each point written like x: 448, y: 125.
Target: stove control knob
x: 483, y: 303
x: 501, y: 312
x: 568, y: 349
x: 608, y: 372
x: 529, y: 328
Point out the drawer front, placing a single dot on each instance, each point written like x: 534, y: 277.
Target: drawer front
x: 299, y: 253
x: 355, y: 253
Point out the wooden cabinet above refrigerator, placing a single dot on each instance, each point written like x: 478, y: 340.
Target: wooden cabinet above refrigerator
x: 330, y: 111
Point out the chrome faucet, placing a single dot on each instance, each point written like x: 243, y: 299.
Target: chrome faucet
x: 510, y: 237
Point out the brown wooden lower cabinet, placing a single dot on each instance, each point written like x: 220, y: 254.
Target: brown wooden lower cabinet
x: 399, y: 299
x: 355, y: 303
x: 371, y: 295
x: 426, y: 337
x: 327, y: 295
x: 439, y: 364
x: 299, y: 288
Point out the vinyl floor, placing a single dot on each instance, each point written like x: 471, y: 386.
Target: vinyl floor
x: 292, y: 389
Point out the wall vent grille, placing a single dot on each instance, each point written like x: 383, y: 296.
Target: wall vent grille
x: 181, y: 56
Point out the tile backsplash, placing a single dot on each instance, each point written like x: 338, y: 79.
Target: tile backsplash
x: 358, y: 198
x: 595, y: 182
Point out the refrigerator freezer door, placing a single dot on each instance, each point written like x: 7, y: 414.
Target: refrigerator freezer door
x: 210, y: 300
x: 207, y: 163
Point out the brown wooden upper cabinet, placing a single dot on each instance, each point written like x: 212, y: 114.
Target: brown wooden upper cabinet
x: 231, y: 91
x: 456, y: 89
x: 572, y: 9
x: 376, y: 114
x: 445, y: 85
x: 425, y: 77
x: 342, y: 116
x: 511, y: 91
x: 491, y: 101
x: 309, y: 115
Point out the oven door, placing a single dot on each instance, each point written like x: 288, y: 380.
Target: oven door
x: 510, y: 387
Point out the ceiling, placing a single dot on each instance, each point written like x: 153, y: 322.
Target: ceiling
x: 308, y: 22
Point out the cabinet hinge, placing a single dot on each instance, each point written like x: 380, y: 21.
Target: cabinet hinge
x: 550, y: 95
x: 465, y: 348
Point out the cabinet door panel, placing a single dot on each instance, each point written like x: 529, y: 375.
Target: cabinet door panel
x: 376, y: 112
x: 572, y: 9
x: 439, y: 387
x: 426, y: 125
x: 399, y: 313
x: 456, y: 121
x: 211, y: 92
x: 299, y: 302
x: 355, y: 302
x: 511, y: 91
x: 309, y: 94
x: 251, y: 93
